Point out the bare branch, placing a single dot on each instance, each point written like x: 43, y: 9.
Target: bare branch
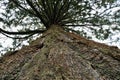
x: 26, y: 37
x: 22, y: 33
x: 82, y: 25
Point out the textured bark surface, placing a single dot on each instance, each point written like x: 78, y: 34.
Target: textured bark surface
x: 59, y: 55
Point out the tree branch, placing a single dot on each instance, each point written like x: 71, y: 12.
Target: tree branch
x: 16, y: 3
x: 22, y: 33
x: 82, y: 25
x: 37, y: 12
x: 26, y: 37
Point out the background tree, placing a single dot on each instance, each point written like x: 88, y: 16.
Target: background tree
x: 36, y: 16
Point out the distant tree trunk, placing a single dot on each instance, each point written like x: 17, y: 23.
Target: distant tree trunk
x: 59, y: 55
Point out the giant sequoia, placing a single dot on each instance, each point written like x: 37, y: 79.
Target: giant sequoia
x: 60, y: 53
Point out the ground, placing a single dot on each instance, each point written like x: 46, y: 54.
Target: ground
x: 60, y: 55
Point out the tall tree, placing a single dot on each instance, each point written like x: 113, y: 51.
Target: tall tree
x: 37, y: 16
x: 58, y: 54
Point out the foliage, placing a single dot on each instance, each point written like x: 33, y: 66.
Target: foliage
x: 39, y: 15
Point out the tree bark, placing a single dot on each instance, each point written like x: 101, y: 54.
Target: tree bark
x: 59, y: 55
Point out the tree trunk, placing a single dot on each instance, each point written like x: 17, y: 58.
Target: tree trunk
x: 59, y: 55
